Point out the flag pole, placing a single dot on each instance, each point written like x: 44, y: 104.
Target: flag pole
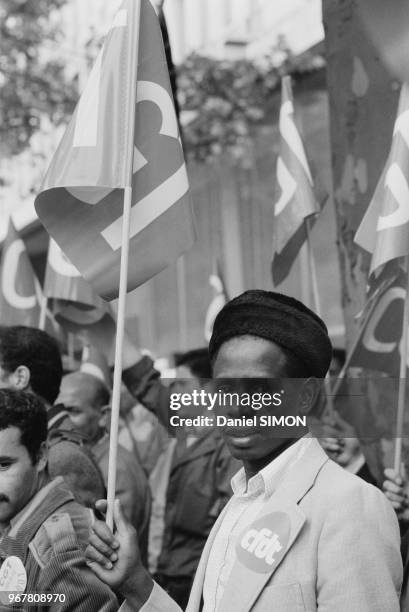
x: 71, y: 350
x: 318, y: 310
x: 43, y: 312
x: 182, y: 302
x: 358, y: 339
x: 402, y: 374
x: 304, y: 275
x: 123, y: 275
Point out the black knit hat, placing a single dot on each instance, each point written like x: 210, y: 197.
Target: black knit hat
x: 279, y: 318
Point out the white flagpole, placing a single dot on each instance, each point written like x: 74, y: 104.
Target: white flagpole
x: 305, y: 275
x: 43, y: 312
x: 402, y: 375
x: 318, y: 310
x: 182, y: 302
x: 123, y: 276
x: 358, y: 339
x: 42, y: 295
x: 71, y: 350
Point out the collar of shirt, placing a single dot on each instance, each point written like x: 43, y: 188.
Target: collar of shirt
x: 34, y: 502
x: 266, y: 480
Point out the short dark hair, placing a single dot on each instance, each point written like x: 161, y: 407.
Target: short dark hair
x: 197, y: 360
x: 39, y: 352
x: 26, y: 412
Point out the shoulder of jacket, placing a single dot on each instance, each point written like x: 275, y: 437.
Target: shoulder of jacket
x: 346, y: 489
x: 55, y: 536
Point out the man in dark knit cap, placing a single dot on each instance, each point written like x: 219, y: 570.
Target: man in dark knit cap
x: 299, y: 533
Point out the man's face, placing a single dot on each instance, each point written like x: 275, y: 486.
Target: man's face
x: 247, y: 357
x: 19, y: 478
x: 77, y: 398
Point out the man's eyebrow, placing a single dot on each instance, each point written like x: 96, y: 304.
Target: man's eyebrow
x: 4, y: 458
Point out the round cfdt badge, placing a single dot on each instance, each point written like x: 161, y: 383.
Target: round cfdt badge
x: 262, y: 545
x: 13, y: 576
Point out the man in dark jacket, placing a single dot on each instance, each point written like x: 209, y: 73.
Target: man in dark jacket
x: 200, y: 474
x: 84, y: 396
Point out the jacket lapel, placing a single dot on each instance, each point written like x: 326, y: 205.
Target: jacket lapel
x: 276, y: 527
x: 25, y: 526
x: 195, y: 599
x: 281, y: 524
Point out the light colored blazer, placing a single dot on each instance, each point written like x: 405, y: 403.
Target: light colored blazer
x: 339, y: 548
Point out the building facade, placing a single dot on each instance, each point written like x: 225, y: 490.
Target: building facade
x: 233, y: 207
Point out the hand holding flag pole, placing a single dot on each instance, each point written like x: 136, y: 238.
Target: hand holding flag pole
x: 117, y: 183
x: 123, y: 277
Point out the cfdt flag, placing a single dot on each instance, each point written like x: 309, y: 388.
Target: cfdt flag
x: 384, y: 230
x: 380, y: 344
x: 219, y: 300
x: 20, y: 293
x: 297, y: 200
x: 81, y: 200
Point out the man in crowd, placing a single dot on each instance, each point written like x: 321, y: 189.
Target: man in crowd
x: 200, y: 471
x: 30, y: 360
x: 198, y: 486
x: 340, y: 442
x: 299, y: 531
x: 86, y: 398
x: 43, y: 531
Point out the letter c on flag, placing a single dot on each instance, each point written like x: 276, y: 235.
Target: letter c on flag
x: 9, y: 275
x: 59, y: 262
x: 369, y: 339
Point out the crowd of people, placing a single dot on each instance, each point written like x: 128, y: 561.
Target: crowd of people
x: 210, y: 519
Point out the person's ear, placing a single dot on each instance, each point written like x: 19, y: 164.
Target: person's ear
x: 42, y: 457
x: 20, y: 378
x: 308, y: 394
x: 104, y: 421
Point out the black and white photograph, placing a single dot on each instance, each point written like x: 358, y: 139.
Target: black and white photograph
x: 204, y: 305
